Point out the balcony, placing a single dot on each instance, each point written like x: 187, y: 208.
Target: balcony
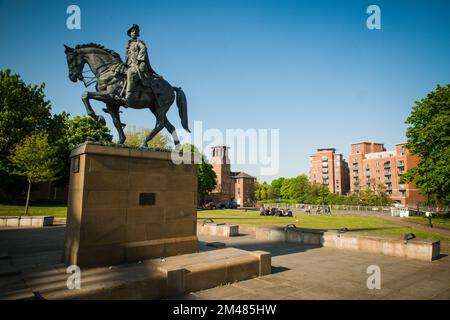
x: 388, y: 180
x: 324, y: 159
x: 387, y: 164
x: 325, y: 177
x: 325, y: 182
x: 325, y: 171
x: 389, y: 187
x: 324, y: 164
x: 355, y: 161
x: 400, y: 172
x: 355, y: 168
x: 402, y: 187
x: 387, y: 172
x: 400, y: 163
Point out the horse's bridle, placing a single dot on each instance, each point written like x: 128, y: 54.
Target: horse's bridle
x: 80, y: 75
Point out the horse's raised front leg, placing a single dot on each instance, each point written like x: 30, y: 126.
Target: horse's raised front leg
x: 113, y: 110
x: 103, y: 96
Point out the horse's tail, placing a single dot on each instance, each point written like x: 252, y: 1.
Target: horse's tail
x: 182, y: 107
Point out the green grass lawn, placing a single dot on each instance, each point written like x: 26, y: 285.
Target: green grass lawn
x: 370, y: 225
x: 35, y: 210
x: 438, y: 222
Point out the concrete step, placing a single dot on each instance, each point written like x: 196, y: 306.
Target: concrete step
x: 154, y: 278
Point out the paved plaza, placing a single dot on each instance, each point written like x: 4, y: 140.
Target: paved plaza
x: 298, y: 271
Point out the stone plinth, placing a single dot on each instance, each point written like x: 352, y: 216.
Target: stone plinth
x: 128, y: 204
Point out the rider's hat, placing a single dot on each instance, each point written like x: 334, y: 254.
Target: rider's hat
x: 133, y: 26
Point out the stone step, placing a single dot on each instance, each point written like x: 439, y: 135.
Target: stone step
x: 154, y: 278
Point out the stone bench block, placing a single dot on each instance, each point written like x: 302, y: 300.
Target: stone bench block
x: 26, y: 221
x: 217, y: 229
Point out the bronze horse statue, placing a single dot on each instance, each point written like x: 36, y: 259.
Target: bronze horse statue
x: 110, y: 74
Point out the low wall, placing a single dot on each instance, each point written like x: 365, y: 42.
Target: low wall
x: 26, y: 221
x: 217, y: 229
x: 247, y: 229
x: 425, y: 250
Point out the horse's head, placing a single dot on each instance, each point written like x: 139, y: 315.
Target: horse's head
x: 75, y: 63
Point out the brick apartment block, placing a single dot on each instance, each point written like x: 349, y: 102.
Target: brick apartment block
x: 371, y: 164
x: 331, y: 169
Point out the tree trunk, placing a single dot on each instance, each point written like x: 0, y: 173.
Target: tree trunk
x: 28, y: 197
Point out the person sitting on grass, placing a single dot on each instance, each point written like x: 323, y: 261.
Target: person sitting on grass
x: 262, y: 211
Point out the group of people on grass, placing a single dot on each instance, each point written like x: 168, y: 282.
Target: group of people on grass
x: 320, y: 209
x: 275, y: 212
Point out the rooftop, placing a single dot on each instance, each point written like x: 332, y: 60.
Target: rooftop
x: 241, y: 174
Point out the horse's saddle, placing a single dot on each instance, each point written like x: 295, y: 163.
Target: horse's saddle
x: 147, y: 79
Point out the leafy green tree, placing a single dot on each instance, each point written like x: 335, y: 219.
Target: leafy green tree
x: 81, y: 129
x: 276, y: 187
x: 23, y: 110
x: 262, y: 191
x: 429, y: 137
x: 66, y: 134
x: 207, y: 179
x: 286, y: 188
x: 35, y: 159
x: 136, y: 135
x: 322, y: 194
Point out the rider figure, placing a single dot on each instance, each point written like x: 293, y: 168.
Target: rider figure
x: 137, y: 61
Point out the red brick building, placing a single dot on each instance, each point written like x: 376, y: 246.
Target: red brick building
x: 234, y: 186
x: 372, y: 165
x: 330, y: 169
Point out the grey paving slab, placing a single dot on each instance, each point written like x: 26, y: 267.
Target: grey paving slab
x: 298, y: 272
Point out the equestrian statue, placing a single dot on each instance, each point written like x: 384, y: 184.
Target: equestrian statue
x: 133, y: 84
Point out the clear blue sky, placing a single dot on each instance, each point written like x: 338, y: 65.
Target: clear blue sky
x: 310, y: 68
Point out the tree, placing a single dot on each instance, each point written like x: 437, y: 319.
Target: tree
x: 207, y: 179
x: 81, y: 129
x: 262, y: 191
x: 294, y: 188
x: 136, y: 135
x: 35, y: 159
x: 276, y: 187
x: 23, y: 110
x: 66, y: 134
x: 428, y: 137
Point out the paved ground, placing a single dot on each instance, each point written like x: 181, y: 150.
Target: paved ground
x: 298, y: 272
x: 301, y: 272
